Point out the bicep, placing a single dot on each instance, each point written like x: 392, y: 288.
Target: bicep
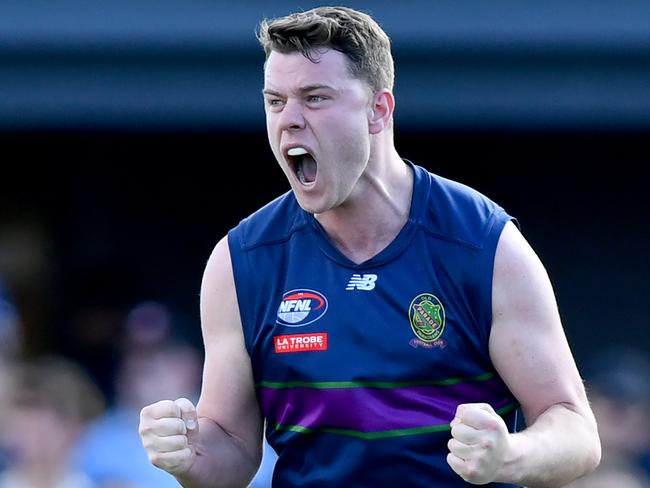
x: 228, y: 393
x: 528, y: 346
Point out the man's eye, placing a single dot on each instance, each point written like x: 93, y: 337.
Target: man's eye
x: 315, y: 98
x: 274, y: 102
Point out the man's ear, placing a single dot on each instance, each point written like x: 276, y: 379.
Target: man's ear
x: 380, y: 111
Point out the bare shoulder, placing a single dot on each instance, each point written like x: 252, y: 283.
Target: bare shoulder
x: 218, y: 294
x: 528, y: 345
x: 521, y: 286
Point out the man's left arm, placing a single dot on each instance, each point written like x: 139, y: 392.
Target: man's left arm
x: 530, y: 352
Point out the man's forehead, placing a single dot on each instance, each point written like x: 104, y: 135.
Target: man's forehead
x: 329, y: 68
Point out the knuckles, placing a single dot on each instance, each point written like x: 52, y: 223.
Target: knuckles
x: 144, y: 429
x: 163, y: 435
x: 166, y: 461
x: 487, y: 443
x: 154, y: 458
x: 470, y: 473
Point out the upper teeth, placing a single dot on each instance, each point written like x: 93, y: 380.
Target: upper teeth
x: 296, y: 151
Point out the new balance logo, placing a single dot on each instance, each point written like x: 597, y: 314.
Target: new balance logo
x: 362, y: 282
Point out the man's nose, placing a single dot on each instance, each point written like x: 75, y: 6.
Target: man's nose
x: 292, y: 117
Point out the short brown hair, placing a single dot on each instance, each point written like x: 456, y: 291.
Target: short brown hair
x: 349, y: 31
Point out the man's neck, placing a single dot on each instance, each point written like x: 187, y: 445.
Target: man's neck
x: 376, y: 211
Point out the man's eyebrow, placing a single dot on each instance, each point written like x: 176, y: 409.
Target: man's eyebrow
x: 309, y: 88
x: 267, y: 91
x: 302, y: 89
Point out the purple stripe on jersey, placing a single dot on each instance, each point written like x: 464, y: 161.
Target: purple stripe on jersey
x: 368, y: 409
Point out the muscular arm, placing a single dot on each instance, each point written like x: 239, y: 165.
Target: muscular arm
x: 530, y: 351
x: 229, y: 444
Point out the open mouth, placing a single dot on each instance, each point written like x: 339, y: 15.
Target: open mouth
x: 303, y: 164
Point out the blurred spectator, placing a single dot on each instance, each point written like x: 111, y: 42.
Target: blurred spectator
x: 93, y: 338
x: 619, y: 388
x: 148, y: 325
x: 9, y: 346
x: 50, y: 402
x: 5, y: 391
x: 27, y: 268
x: 9, y: 325
x: 153, y: 367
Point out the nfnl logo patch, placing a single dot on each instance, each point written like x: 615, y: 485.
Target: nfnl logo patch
x: 427, y: 317
x: 300, y: 342
x: 301, y: 307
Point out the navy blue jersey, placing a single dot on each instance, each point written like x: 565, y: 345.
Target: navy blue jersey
x: 359, y: 368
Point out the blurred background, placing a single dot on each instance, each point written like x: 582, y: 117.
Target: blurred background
x: 132, y: 137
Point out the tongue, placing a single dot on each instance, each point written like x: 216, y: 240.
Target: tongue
x: 308, y: 168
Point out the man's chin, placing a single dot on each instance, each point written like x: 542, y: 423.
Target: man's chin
x: 309, y: 204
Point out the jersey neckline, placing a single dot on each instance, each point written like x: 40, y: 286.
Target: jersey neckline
x: 398, y: 244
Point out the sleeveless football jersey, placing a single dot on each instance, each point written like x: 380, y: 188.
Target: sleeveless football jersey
x: 359, y: 368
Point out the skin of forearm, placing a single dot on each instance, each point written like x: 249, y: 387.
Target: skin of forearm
x: 221, y: 460
x: 560, y: 446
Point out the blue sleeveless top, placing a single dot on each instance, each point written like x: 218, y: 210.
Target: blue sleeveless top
x: 359, y: 368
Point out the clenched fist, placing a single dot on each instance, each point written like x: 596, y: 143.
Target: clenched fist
x: 479, y: 443
x: 169, y: 431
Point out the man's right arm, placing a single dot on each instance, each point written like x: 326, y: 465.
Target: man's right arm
x: 225, y: 447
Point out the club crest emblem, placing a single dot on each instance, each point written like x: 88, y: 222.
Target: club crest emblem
x: 427, y: 317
